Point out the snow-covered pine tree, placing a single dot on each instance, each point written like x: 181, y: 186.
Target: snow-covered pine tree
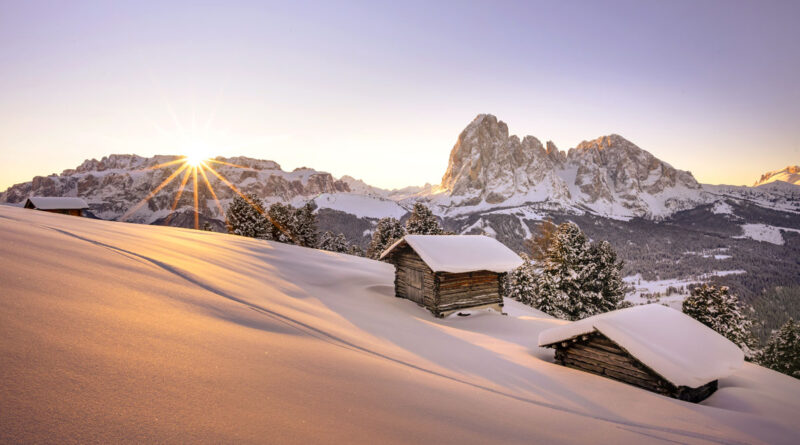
x: 720, y: 310
x: 518, y: 284
x: 605, y: 277
x: 334, y: 243
x: 386, y: 232
x: 782, y: 352
x: 423, y: 222
x: 304, y: 226
x: 245, y: 217
x: 560, y: 289
x: 578, y: 279
x: 281, y: 218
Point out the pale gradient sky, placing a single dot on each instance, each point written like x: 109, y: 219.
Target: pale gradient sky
x: 381, y: 90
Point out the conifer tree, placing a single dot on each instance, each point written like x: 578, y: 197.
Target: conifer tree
x: 605, y: 277
x: 561, y: 286
x: 245, y: 217
x: 304, y: 226
x: 281, y: 219
x: 519, y: 283
x: 334, y: 243
x: 423, y: 222
x: 386, y: 233
x: 782, y: 352
x: 577, y: 279
x: 720, y: 310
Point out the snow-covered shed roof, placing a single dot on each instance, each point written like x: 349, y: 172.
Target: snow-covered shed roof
x: 460, y: 253
x: 679, y: 348
x: 57, y: 203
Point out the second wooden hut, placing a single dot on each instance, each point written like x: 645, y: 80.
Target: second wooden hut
x: 651, y: 346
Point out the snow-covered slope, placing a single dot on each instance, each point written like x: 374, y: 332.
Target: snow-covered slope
x: 115, y: 332
x: 363, y: 206
x: 790, y: 174
x: 778, y: 195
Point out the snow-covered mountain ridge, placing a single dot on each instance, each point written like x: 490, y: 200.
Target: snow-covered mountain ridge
x: 790, y: 174
x: 607, y: 176
x: 115, y: 183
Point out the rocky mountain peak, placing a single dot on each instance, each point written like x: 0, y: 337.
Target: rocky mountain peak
x: 610, y: 172
x: 615, y: 170
x: 790, y: 174
x: 486, y: 164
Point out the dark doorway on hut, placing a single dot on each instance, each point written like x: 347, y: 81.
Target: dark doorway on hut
x: 414, y: 288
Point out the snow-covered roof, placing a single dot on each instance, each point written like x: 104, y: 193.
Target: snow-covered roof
x: 677, y: 347
x: 57, y: 202
x: 460, y: 253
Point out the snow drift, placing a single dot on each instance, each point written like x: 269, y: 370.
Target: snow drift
x: 114, y: 332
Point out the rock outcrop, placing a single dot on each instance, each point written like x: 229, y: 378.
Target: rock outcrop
x: 489, y: 167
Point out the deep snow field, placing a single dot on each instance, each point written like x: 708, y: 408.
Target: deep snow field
x: 115, y: 332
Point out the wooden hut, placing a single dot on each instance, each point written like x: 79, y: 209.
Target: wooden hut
x: 651, y: 346
x: 447, y: 273
x: 63, y: 205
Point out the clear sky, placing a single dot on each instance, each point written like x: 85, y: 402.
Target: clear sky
x: 381, y: 90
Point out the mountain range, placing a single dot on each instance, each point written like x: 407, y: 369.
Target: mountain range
x: 488, y: 169
x: 664, y: 224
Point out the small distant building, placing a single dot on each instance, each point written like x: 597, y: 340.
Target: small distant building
x: 447, y: 273
x: 651, y: 346
x: 54, y: 204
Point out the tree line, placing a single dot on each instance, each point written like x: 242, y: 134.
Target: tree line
x: 248, y: 216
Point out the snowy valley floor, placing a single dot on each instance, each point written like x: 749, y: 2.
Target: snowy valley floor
x: 115, y: 332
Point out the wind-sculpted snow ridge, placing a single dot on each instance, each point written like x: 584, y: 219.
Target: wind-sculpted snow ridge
x: 114, y: 332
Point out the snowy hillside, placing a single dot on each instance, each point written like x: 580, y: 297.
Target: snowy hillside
x: 158, y: 334
x: 362, y: 206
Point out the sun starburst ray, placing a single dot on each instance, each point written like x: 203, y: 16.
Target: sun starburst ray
x: 163, y: 164
x: 228, y: 164
x: 184, y: 180
x: 252, y: 204
x: 211, y: 190
x: 196, y: 206
x: 194, y: 165
x: 154, y: 192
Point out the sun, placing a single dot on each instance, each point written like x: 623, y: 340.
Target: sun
x: 195, y: 159
x: 194, y: 165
